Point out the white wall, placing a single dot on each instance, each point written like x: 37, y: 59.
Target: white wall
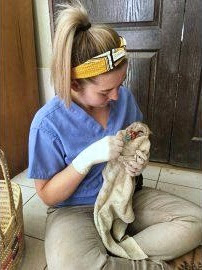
x: 43, y: 48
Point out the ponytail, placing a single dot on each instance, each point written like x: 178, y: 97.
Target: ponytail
x: 75, y: 42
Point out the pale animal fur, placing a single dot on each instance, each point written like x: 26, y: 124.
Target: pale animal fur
x: 113, y: 208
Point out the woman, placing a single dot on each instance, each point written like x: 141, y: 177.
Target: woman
x: 71, y: 139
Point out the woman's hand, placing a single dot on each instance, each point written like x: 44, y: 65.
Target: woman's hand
x: 106, y: 149
x: 135, y: 166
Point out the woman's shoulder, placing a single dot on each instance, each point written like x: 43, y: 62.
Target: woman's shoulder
x: 48, y: 112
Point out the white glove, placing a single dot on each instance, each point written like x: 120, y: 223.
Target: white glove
x: 135, y: 166
x: 103, y: 150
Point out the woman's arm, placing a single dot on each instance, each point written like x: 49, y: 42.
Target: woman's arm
x: 60, y: 187
x: 64, y: 183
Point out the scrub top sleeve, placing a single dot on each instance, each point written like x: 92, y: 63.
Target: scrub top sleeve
x: 134, y: 113
x: 46, y: 156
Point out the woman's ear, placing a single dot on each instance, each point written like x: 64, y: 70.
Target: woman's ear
x: 75, y: 86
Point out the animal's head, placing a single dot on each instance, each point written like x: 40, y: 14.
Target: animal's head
x: 136, y: 137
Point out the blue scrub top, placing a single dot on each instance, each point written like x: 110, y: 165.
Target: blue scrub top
x: 59, y: 133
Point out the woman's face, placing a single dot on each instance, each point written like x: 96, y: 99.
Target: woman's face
x: 105, y: 87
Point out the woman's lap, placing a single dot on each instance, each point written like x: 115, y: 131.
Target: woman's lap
x: 71, y: 237
x: 153, y: 206
x: 166, y: 226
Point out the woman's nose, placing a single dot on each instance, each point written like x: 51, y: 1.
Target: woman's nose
x: 113, y: 95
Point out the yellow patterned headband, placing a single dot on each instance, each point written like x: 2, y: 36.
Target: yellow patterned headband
x: 101, y: 63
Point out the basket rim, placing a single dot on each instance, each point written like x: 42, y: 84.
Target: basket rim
x: 6, y: 176
x: 16, y: 208
x: 12, y: 182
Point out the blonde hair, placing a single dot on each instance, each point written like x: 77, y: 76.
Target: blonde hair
x: 72, y: 47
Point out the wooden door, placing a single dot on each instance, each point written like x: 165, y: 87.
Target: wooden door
x: 186, y: 141
x: 153, y: 30
x: 18, y: 78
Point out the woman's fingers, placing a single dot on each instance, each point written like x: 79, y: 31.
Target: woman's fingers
x: 141, y: 155
x: 119, y: 135
x: 135, y: 165
x: 120, y: 143
x: 133, y: 173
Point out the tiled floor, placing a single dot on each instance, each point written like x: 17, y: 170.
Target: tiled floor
x: 178, y: 181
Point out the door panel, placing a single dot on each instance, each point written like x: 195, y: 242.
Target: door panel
x: 120, y: 11
x: 140, y: 78
x: 186, y: 143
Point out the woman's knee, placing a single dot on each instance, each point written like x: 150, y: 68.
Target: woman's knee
x: 193, y: 221
x: 72, y: 241
x: 72, y: 259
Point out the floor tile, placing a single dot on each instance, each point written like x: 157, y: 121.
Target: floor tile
x: 151, y: 172
x: 27, y: 193
x: 34, y: 213
x: 190, y: 194
x: 34, y: 256
x: 200, y: 201
x: 149, y: 183
x: 22, y: 179
x: 181, y: 177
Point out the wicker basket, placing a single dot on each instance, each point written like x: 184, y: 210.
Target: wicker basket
x: 11, y: 221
